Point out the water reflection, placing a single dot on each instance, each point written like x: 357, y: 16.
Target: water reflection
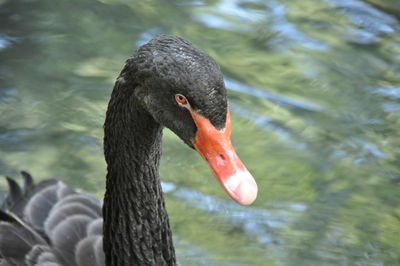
x: 281, y: 100
x: 6, y: 41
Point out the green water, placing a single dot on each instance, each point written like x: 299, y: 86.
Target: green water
x: 314, y: 90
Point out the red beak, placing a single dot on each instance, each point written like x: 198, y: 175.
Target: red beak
x: 216, y: 148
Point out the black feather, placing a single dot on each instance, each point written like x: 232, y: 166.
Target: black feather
x: 6, y: 217
x: 16, y: 241
x: 59, y: 214
x: 95, y: 227
x: 17, y: 206
x: 89, y: 251
x: 15, y: 192
x: 69, y: 216
x: 39, y: 206
x: 3, y: 262
x: 28, y: 181
x: 39, y: 255
x: 85, y: 199
x: 66, y: 236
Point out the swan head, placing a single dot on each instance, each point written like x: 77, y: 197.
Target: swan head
x: 183, y: 89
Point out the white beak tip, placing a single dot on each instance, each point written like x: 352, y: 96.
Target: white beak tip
x: 242, y: 188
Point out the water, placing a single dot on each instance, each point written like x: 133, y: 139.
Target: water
x: 314, y: 89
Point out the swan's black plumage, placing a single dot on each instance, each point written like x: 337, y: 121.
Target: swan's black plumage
x: 52, y: 224
x: 49, y: 224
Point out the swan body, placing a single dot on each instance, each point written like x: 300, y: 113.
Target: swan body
x: 166, y: 83
x: 50, y: 225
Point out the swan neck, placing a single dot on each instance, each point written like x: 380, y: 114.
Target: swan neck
x: 136, y: 226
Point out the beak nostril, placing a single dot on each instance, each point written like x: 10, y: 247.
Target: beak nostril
x: 222, y: 157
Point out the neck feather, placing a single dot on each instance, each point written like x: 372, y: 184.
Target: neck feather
x: 136, y: 226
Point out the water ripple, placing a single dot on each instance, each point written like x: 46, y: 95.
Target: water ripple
x: 371, y: 22
x: 281, y: 100
x: 6, y: 41
x: 389, y: 92
x: 257, y: 222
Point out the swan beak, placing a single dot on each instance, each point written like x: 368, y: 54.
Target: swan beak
x: 215, y: 147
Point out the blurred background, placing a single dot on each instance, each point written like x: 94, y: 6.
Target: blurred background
x: 314, y: 90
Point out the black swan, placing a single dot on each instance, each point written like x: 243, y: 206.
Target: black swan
x: 166, y: 83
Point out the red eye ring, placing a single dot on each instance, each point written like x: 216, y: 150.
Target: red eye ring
x: 180, y: 99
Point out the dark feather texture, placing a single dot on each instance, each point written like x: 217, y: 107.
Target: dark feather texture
x: 17, y: 240
x: 28, y: 181
x: 54, y: 221
x: 15, y: 191
x: 66, y: 236
x: 41, y: 255
x: 90, y: 250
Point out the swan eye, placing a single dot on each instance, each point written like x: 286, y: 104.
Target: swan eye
x: 181, y: 100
